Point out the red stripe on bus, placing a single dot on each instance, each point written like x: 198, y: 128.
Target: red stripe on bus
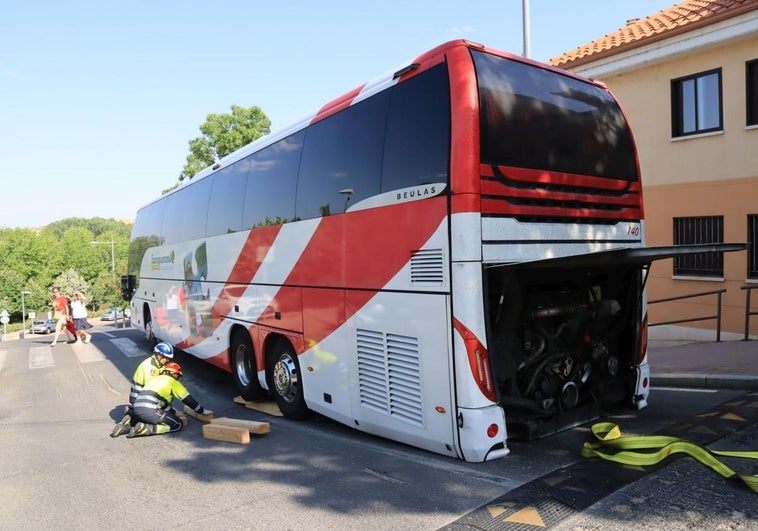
x: 337, y: 104
x: 543, y: 177
x: 254, y: 251
x: 379, y: 242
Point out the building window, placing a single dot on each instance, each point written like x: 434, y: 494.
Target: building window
x: 751, y: 92
x: 696, y: 104
x: 752, y: 246
x: 708, y: 229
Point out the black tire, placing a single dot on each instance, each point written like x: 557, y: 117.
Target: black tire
x: 149, y: 333
x: 244, y: 370
x: 284, y: 381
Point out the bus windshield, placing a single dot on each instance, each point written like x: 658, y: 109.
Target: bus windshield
x: 533, y: 118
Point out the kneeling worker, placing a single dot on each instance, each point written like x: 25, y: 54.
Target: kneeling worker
x: 152, y: 408
x: 146, y: 371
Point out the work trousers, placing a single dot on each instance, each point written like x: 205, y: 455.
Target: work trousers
x: 161, y: 421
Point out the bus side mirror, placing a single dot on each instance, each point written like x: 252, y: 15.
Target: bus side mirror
x: 128, y: 286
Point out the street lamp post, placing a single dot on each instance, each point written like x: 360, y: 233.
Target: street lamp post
x: 23, y: 313
x: 113, y: 252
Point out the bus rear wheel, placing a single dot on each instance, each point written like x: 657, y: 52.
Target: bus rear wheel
x: 284, y: 380
x: 244, y: 368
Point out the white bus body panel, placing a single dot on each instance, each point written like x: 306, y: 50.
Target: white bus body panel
x: 509, y: 240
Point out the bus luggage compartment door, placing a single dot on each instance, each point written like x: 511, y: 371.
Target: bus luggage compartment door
x: 401, y: 384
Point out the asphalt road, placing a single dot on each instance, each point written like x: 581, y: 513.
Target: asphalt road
x: 59, y: 468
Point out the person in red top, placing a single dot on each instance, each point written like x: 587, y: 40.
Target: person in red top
x: 60, y: 314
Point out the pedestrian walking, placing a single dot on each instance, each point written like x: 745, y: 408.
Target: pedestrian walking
x: 60, y: 314
x: 79, y: 313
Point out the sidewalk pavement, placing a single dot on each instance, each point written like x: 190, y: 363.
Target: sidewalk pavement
x: 704, y: 364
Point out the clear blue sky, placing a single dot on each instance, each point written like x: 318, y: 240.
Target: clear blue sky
x: 98, y: 99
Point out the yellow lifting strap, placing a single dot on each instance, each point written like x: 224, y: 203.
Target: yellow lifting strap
x: 609, y: 436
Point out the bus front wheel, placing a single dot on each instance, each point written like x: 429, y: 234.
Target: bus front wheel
x: 284, y: 380
x: 149, y: 332
x: 244, y: 368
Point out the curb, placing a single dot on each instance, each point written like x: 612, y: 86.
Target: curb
x: 705, y: 381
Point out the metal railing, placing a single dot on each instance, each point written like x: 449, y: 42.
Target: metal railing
x: 748, y: 288
x: 717, y: 317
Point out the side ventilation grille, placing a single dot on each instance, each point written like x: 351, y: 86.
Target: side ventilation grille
x: 388, y: 375
x: 427, y: 268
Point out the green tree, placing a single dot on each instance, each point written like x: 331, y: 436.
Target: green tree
x: 70, y: 281
x: 97, y: 226
x: 223, y: 134
x: 62, y: 253
x: 24, y: 253
x: 10, y: 292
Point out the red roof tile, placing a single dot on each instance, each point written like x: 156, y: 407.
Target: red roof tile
x: 682, y: 17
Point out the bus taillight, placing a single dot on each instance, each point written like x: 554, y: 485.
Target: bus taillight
x: 479, y: 360
x: 484, y: 377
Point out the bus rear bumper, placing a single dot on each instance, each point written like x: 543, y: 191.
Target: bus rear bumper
x: 482, y: 434
x: 642, y: 389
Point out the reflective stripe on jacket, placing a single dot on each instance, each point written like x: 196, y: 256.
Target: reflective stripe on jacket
x: 159, y: 392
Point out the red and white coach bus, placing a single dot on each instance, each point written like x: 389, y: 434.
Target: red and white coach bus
x: 447, y: 256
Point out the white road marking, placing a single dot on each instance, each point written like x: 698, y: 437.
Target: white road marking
x: 41, y: 357
x: 129, y: 347
x: 87, y: 353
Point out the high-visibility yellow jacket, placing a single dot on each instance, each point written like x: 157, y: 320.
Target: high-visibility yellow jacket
x: 146, y: 371
x: 160, y: 391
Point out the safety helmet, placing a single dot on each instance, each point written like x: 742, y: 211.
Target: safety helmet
x: 172, y: 369
x: 164, y: 349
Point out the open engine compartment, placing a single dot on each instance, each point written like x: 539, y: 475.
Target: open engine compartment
x: 564, y: 342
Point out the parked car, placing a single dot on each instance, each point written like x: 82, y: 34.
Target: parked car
x: 112, y: 315
x: 42, y: 326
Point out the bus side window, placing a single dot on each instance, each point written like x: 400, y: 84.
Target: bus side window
x: 342, y: 158
x: 270, y: 190
x: 187, y: 211
x: 227, y: 198
x: 417, y: 147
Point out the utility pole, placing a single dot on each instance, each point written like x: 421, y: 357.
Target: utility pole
x: 527, y: 45
x: 23, y: 314
x: 113, y: 252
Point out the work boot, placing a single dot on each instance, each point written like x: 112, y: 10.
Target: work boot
x: 139, y: 430
x: 120, y: 429
x: 123, y: 426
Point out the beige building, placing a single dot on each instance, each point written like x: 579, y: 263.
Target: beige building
x: 687, y: 78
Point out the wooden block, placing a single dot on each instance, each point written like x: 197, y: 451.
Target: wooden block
x: 257, y: 428
x: 219, y: 432
x: 205, y: 417
x: 183, y: 418
x: 265, y: 406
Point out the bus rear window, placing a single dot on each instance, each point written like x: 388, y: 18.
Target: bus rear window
x: 539, y: 119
